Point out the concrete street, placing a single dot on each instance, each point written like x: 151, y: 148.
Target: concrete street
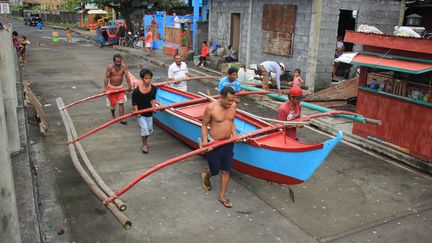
x: 355, y: 196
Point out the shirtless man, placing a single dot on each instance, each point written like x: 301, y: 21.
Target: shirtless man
x: 114, y: 81
x: 220, y: 116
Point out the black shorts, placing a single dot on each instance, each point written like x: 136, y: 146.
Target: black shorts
x: 220, y: 158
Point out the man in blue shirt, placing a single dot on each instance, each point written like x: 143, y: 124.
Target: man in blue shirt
x: 230, y: 81
x: 268, y: 67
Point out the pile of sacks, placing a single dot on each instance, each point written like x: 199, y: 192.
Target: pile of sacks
x: 404, y: 31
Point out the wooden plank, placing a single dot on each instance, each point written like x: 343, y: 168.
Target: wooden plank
x: 278, y: 24
x: 32, y: 101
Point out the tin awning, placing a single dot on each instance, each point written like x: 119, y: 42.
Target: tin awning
x: 394, y: 63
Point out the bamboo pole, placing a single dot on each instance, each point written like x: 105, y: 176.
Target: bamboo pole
x: 93, y: 97
x: 126, y: 89
x: 206, y: 148
x: 124, y: 221
x: 96, y: 177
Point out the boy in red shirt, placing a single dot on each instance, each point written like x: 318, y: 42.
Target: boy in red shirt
x: 291, y: 110
x: 204, y: 53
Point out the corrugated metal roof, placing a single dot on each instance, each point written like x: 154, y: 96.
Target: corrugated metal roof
x: 392, y: 64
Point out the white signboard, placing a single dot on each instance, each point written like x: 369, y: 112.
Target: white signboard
x: 4, y: 8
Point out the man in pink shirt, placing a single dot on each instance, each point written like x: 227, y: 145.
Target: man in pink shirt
x: 148, y: 41
x: 291, y: 110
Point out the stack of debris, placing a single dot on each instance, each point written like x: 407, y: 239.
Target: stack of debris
x: 337, y: 95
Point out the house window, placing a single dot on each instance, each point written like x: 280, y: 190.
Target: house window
x: 278, y: 23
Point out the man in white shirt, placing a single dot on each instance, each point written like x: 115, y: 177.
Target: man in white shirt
x: 176, y: 21
x: 177, y: 72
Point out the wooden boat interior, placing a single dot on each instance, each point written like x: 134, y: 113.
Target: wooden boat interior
x: 245, y: 124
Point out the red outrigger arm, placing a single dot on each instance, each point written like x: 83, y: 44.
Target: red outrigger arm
x: 126, y: 89
x: 163, y: 107
x: 93, y: 97
x: 205, y: 149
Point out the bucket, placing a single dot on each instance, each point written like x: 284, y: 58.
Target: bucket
x: 196, y: 60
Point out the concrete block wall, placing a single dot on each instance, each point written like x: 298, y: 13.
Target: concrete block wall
x: 383, y: 14
x: 202, y: 35
x: 220, y: 23
x: 221, y: 26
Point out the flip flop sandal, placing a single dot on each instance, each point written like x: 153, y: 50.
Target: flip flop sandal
x: 123, y: 122
x: 145, y: 150
x: 227, y: 203
x: 204, y: 186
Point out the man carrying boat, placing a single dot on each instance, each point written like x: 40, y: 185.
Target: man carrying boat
x: 219, y: 115
x: 114, y: 81
x: 177, y: 72
x: 291, y: 110
x: 143, y: 97
x: 230, y: 81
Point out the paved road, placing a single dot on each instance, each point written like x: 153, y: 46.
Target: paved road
x: 353, y: 197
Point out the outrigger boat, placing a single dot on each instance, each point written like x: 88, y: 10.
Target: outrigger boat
x: 261, y: 149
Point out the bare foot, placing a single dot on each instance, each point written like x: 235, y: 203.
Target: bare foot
x: 226, y: 202
x: 205, y: 182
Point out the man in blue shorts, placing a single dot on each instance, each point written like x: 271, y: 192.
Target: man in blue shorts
x: 219, y: 115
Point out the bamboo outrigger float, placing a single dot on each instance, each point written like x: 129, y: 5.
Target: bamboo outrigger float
x: 93, y: 181
x: 261, y: 149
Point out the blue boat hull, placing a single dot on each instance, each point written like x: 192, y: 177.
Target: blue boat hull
x: 271, y: 163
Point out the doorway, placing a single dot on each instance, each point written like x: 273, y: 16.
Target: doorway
x: 347, y: 21
x: 235, y: 32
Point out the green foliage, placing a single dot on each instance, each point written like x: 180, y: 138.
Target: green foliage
x: 16, y: 7
x: 70, y: 5
x: 133, y: 4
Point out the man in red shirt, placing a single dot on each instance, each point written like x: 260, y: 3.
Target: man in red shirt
x: 291, y: 110
x: 148, y: 41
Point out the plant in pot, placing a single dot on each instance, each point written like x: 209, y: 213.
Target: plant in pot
x: 183, y: 41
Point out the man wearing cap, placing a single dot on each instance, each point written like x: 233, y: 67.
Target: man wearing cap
x: 291, y: 110
x: 268, y: 67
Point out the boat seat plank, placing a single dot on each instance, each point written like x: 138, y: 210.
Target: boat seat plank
x: 196, y: 111
x: 277, y: 141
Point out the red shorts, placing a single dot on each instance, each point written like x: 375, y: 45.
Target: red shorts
x: 116, y: 98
